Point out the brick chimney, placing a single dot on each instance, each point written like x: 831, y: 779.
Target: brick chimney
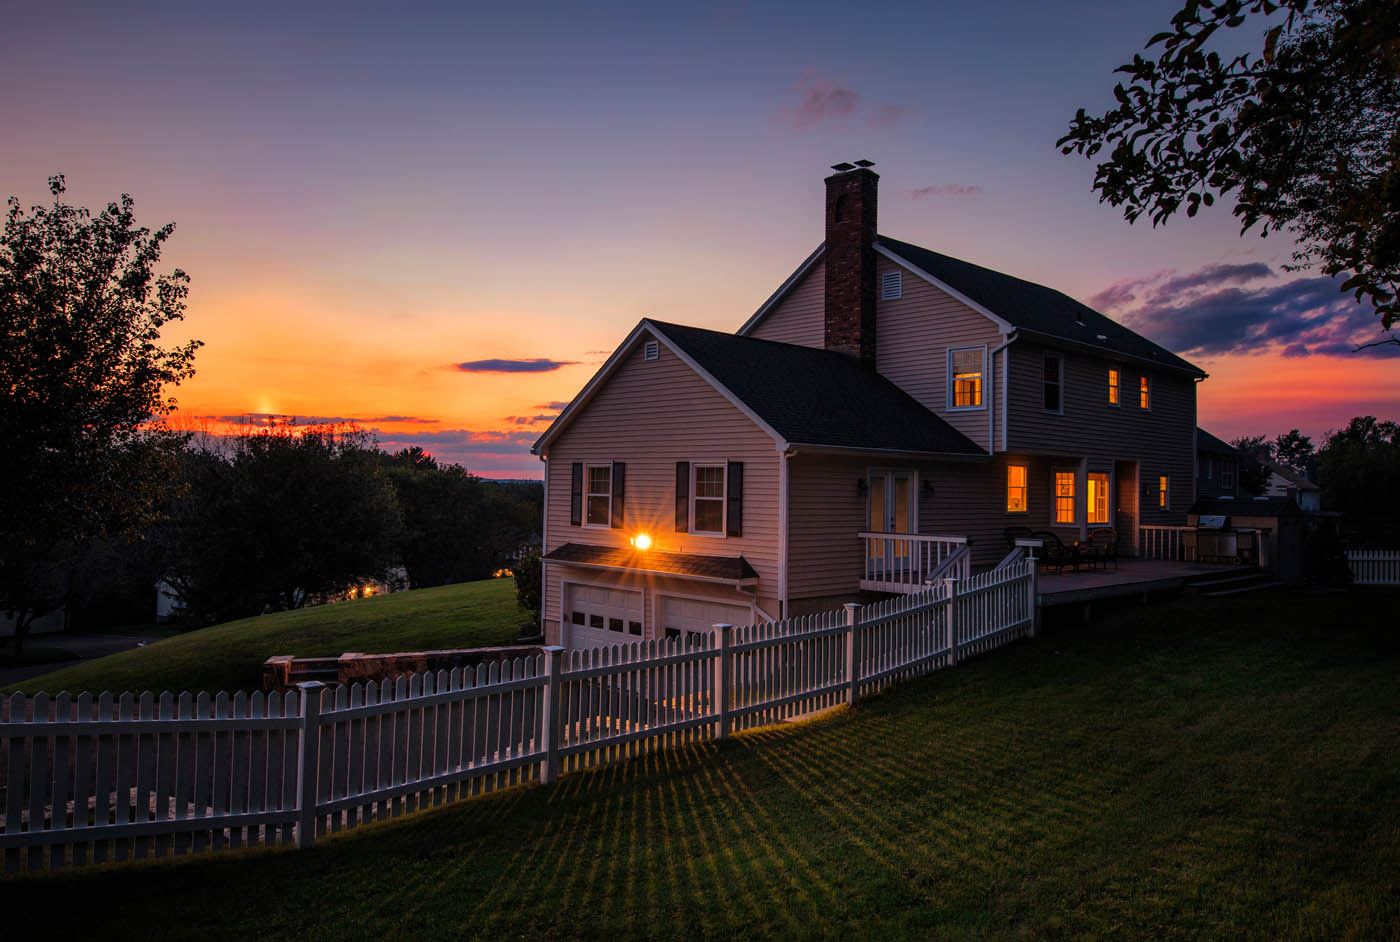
x: 850, y: 261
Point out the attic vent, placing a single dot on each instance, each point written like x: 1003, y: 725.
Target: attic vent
x: 652, y: 350
x: 892, y: 286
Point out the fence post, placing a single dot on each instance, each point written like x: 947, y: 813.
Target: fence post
x: 1032, y: 590
x: 724, y: 634
x: 852, y: 650
x: 952, y: 585
x: 549, y: 714
x: 308, y: 761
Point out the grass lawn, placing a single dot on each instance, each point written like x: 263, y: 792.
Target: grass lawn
x: 1225, y: 768
x: 230, y: 656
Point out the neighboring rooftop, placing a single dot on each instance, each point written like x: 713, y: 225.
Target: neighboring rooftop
x: 721, y: 568
x: 1289, y: 475
x: 817, y: 397
x: 1035, y: 308
x: 1205, y: 441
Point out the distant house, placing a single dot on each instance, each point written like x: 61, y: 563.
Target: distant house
x: 1217, y: 467
x: 1283, y: 481
x: 885, y: 407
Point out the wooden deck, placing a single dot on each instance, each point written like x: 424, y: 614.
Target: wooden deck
x: 1133, y: 576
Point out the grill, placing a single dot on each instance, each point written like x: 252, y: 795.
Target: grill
x: 1215, y: 540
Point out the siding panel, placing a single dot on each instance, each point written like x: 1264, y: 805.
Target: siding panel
x: 800, y: 317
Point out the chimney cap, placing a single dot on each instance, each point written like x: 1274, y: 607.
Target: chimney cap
x: 862, y: 164
x: 843, y: 167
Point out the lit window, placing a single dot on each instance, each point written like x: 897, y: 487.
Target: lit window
x: 708, y: 502
x: 965, y: 368
x: 1064, y: 497
x: 1113, y: 387
x: 1098, y: 498
x: 1164, y: 492
x: 1144, y: 393
x: 599, y: 495
x: 1015, y: 488
x: 1054, y: 375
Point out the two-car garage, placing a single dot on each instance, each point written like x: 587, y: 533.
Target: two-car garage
x: 596, y: 615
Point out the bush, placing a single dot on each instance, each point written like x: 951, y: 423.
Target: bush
x: 529, y: 583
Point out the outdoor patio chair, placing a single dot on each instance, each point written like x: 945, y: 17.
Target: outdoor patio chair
x: 1105, y: 544
x: 1013, y: 534
x: 1055, y: 553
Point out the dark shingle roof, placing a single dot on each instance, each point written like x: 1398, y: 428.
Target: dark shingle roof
x: 1205, y: 441
x: 817, y: 397
x: 1032, y: 307
x: 730, y: 568
x: 1247, y: 507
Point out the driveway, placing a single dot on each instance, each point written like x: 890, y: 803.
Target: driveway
x: 85, y: 647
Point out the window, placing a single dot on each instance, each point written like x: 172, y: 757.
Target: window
x: 892, y: 286
x: 1113, y: 387
x: 965, y: 378
x: 1227, y: 474
x: 1015, y: 488
x: 1064, y: 497
x: 1164, y: 492
x: 599, y: 495
x: 1144, y: 392
x: 708, y: 503
x: 1098, y: 498
x: 1054, y: 375
x: 1210, y: 467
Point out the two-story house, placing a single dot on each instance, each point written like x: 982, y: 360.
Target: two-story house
x: 886, y: 405
x: 1217, y: 467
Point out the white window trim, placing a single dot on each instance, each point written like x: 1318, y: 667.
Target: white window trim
x: 949, y: 374
x: 1073, y: 501
x: 722, y: 532
x: 1141, y: 378
x: 1108, y: 499
x: 1111, y: 403
x: 587, y: 466
x: 1025, y: 488
x: 1059, y: 358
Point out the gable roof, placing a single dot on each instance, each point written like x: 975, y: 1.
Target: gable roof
x: 1205, y: 441
x: 798, y: 395
x: 1013, y: 303
x: 817, y: 397
x: 1288, y: 475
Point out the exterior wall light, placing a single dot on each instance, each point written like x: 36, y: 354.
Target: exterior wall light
x: 642, y: 541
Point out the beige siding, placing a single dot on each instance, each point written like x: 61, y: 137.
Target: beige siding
x: 649, y: 415
x: 800, y: 317
x: 1161, y: 439
x: 913, y: 336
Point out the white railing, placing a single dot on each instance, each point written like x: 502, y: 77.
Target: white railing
x: 903, y: 562
x: 1156, y: 542
x: 90, y: 780
x: 1375, y: 567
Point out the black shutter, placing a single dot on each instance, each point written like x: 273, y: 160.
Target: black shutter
x: 576, y: 495
x: 734, y: 499
x: 682, y: 496
x: 619, y: 490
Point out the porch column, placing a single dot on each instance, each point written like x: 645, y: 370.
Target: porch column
x: 1081, y: 498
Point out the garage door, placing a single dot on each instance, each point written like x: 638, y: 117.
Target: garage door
x: 598, y: 615
x: 688, y: 618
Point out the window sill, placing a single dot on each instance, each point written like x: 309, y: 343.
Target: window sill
x: 981, y: 408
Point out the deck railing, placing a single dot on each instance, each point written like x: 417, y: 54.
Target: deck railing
x: 903, y: 562
x: 1156, y: 542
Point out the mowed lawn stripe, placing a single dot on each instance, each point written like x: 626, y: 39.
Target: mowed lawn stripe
x: 230, y: 656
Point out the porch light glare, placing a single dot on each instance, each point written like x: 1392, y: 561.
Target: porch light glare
x: 642, y: 541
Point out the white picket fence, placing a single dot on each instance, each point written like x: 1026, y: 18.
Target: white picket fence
x: 95, y: 779
x: 1375, y: 567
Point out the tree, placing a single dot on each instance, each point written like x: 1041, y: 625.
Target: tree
x: 85, y: 455
x: 1295, y: 450
x: 1305, y: 133
x: 1253, y: 450
x: 1359, y: 471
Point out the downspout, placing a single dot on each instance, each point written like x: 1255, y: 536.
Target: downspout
x: 991, y: 385
x: 783, y: 456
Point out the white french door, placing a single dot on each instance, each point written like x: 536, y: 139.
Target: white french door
x: 891, y: 508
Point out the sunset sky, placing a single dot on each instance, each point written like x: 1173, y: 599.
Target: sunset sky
x: 438, y: 221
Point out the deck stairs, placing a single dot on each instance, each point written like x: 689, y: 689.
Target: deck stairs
x: 1216, y: 585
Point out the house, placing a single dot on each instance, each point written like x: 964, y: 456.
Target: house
x: 1217, y: 467
x: 1283, y: 481
x: 887, y: 406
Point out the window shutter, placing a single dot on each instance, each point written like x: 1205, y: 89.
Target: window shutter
x: 619, y: 490
x: 734, y: 499
x: 576, y: 495
x: 682, y: 496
